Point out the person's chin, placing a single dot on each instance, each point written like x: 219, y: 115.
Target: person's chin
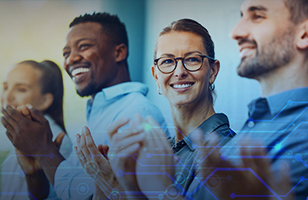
x: 86, y: 90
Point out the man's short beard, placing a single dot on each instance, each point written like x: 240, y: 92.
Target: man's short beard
x: 89, y: 90
x: 273, y: 55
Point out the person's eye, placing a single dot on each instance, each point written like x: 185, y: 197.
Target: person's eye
x: 257, y: 17
x: 84, y: 47
x: 65, y: 54
x: 193, y: 59
x: 21, y: 89
x: 4, y: 88
x: 167, y: 61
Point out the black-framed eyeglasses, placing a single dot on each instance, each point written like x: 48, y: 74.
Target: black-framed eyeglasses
x: 190, y: 62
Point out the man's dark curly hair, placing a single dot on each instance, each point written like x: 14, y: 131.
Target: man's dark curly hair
x: 111, y: 26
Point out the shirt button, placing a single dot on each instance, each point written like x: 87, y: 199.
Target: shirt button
x: 251, y: 124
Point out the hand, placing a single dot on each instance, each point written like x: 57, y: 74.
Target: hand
x: 125, y: 144
x: 157, y: 162
x: 250, y: 178
x: 30, y: 137
x: 95, y: 164
x: 29, y: 164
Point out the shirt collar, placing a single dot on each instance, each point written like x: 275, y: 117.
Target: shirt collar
x: 112, y: 93
x: 124, y: 88
x: 208, y: 126
x: 287, y: 100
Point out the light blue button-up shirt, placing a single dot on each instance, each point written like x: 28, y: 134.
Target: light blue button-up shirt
x: 280, y: 123
x: 112, y: 103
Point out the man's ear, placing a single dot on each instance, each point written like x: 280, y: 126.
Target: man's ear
x: 120, y: 52
x: 302, y: 37
x: 214, y: 71
x: 45, y: 102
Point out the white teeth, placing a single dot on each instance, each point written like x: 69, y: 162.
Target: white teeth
x: 182, y: 86
x: 244, y: 51
x: 79, y: 70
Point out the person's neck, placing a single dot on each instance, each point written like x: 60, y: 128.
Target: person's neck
x: 122, y: 77
x: 187, y: 118
x: 289, y: 77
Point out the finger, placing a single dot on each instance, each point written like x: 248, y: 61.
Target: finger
x: 91, y: 148
x: 8, y: 118
x: 83, y: 146
x: 78, y: 140
x: 113, y: 128
x: 35, y: 114
x: 13, y: 114
x: 137, y: 121
x: 7, y: 125
x: 24, y: 111
x: 9, y: 136
x: 59, y: 139
x: 131, y: 149
x: 120, y: 135
x: 124, y: 143
x: 157, y: 133
x: 81, y: 157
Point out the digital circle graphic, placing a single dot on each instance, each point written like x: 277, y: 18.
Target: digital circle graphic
x: 111, y: 155
x: 214, y: 182
x: 82, y: 188
x: 173, y: 191
x: 115, y: 195
x: 91, y: 168
x: 163, y: 168
x: 302, y: 137
x: 289, y: 153
x: 179, y: 178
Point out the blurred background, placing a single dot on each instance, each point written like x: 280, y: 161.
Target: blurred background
x: 37, y: 30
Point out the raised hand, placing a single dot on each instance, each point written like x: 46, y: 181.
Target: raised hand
x: 124, y: 147
x: 95, y: 164
x: 251, y: 177
x: 28, y: 163
x: 157, y: 162
x: 31, y: 137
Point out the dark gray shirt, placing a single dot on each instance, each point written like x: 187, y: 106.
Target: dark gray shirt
x: 187, y: 181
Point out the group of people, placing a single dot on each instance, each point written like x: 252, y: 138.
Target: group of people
x: 126, y: 150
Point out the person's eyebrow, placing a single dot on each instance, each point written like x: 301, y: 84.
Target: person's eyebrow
x: 167, y: 55
x: 24, y: 84
x: 192, y: 52
x: 81, y: 39
x: 257, y: 8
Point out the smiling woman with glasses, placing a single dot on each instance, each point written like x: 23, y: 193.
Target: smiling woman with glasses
x: 184, y: 70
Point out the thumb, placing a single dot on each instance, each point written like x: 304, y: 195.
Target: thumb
x: 59, y: 139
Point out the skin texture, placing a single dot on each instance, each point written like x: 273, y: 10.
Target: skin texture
x: 21, y: 86
x: 88, y: 47
x: 190, y: 106
x: 264, y: 27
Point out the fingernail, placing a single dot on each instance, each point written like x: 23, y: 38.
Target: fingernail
x: 29, y: 106
x: 84, y: 130
x: 4, y: 106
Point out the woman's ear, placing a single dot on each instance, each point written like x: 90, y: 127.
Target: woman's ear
x: 45, y: 102
x: 214, y: 71
x: 120, y: 52
x: 154, y: 74
x: 302, y: 37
